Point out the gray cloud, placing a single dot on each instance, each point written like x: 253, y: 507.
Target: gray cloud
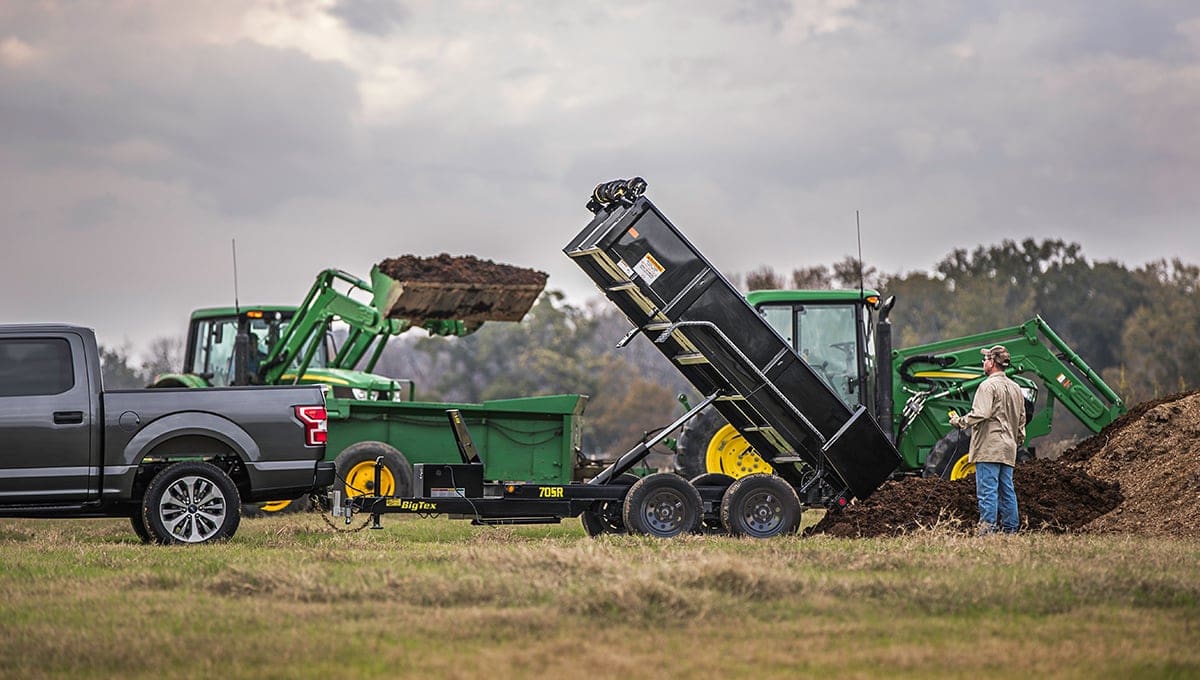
x: 470, y: 127
x: 374, y: 17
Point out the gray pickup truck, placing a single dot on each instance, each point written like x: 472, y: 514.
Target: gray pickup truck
x: 177, y: 462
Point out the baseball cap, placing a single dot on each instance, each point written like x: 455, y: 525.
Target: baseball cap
x: 998, y: 354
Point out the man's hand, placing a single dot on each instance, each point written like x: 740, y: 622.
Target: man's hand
x: 955, y: 420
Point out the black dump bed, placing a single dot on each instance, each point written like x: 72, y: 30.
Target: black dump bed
x: 671, y: 292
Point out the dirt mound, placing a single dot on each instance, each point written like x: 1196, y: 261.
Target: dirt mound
x: 446, y: 268
x: 1141, y: 474
x: 1053, y: 497
x: 1155, y: 458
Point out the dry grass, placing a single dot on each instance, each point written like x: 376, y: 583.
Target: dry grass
x: 290, y: 598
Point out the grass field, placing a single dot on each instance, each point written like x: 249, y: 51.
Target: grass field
x: 288, y: 597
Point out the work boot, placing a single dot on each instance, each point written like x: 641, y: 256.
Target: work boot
x: 985, y: 529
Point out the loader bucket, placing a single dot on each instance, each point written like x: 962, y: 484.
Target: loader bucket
x: 421, y: 294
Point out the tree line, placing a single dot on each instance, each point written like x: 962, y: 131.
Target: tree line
x: 1138, y: 328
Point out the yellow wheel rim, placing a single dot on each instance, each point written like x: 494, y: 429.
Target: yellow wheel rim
x: 360, y: 480
x: 962, y: 468
x: 274, y: 506
x: 730, y: 454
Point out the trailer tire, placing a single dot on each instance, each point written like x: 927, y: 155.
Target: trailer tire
x: 605, y: 517
x: 709, y: 444
x: 356, y: 470
x: 710, y: 523
x: 663, y: 505
x: 760, y: 506
x: 191, y: 502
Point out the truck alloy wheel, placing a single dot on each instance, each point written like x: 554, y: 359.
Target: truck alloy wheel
x: 191, y: 502
x: 760, y: 506
x: 662, y: 505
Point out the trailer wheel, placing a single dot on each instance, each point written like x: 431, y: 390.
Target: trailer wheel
x: 710, y: 523
x: 604, y: 517
x: 356, y: 468
x: 760, y: 506
x: 709, y: 444
x: 191, y: 502
x: 662, y: 505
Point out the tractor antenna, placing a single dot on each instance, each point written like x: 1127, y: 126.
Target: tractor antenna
x: 861, y: 284
x: 237, y: 308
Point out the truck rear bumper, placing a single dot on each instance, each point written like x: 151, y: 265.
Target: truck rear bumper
x: 326, y: 473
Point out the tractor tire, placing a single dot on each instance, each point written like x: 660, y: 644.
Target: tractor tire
x: 710, y: 523
x: 356, y: 470
x: 301, y: 504
x: 605, y: 517
x: 709, y: 444
x: 191, y: 502
x: 663, y: 505
x: 946, y: 453
x: 760, y: 506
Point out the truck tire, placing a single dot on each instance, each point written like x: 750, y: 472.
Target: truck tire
x: 356, y: 470
x: 760, y: 506
x: 191, y: 502
x: 663, y: 505
x: 708, y: 443
x: 139, y: 527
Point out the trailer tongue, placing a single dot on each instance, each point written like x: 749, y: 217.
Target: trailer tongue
x: 819, y: 447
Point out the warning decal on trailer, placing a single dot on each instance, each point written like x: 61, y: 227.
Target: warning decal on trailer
x: 649, y: 268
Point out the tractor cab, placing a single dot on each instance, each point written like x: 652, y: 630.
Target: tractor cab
x: 212, y: 342
x: 830, y: 330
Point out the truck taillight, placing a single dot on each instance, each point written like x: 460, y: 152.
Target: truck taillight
x: 316, y: 427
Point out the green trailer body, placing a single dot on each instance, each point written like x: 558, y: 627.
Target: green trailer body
x: 533, y: 438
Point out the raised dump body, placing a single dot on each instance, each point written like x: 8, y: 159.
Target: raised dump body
x: 700, y: 322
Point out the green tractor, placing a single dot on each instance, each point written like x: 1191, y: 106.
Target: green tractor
x: 842, y: 335
x: 373, y: 416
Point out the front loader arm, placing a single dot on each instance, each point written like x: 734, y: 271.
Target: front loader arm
x: 1035, y: 349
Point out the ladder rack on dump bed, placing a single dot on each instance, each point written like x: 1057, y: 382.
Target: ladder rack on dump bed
x: 695, y: 317
x: 818, y: 446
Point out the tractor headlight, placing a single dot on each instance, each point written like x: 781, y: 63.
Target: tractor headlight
x: 360, y: 394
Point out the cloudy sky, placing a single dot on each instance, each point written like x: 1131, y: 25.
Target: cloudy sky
x: 138, y: 139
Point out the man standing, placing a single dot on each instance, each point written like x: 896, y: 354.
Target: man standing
x: 997, y: 419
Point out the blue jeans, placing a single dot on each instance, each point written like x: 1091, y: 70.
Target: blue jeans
x: 994, y: 488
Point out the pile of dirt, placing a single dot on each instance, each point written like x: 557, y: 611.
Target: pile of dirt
x: 1141, y: 475
x: 446, y: 268
x: 1155, y: 458
x: 1053, y: 497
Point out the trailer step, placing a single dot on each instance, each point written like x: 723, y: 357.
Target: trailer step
x: 496, y: 521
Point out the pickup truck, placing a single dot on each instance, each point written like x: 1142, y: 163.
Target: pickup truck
x: 177, y: 462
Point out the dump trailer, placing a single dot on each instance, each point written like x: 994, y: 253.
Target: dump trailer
x: 674, y: 297
x: 374, y: 417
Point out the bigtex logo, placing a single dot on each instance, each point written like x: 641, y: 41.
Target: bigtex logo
x: 415, y: 506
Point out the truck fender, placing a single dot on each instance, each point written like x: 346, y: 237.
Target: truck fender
x: 221, y: 431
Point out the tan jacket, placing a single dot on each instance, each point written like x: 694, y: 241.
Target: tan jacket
x: 997, y: 419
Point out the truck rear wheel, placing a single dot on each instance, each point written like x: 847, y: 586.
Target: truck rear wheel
x: 709, y: 444
x: 139, y: 527
x: 191, y: 502
x: 663, y: 505
x: 760, y: 506
x: 356, y: 468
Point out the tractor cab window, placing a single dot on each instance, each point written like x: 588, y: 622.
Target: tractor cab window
x: 215, y: 338
x: 825, y: 337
